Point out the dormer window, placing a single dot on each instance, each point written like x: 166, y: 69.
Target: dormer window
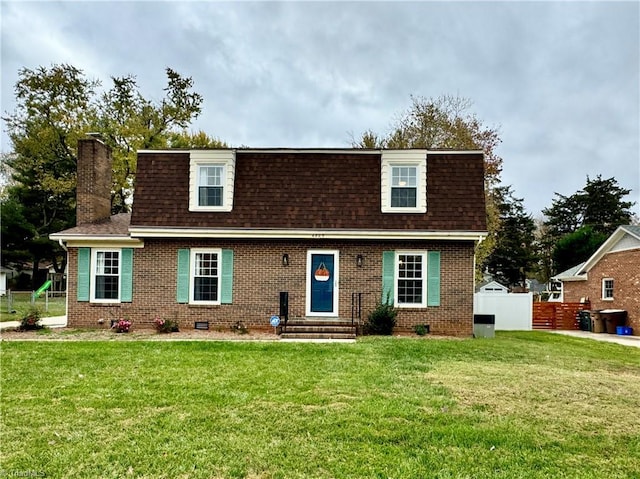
x: 211, y: 180
x: 210, y: 185
x: 403, y: 186
x: 404, y: 181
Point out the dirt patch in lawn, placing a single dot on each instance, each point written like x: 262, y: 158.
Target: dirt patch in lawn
x: 72, y: 334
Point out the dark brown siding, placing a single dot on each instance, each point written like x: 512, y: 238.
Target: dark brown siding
x: 259, y: 276
x: 311, y: 190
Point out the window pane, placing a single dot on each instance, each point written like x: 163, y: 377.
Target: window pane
x: 409, y: 291
x: 107, y: 287
x: 210, y: 196
x: 403, y: 176
x: 403, y: 197
x: 210, y: 176
x: 205, y: 289
x: 206, y: 264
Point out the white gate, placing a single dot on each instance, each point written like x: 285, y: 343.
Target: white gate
x: 513, y: 311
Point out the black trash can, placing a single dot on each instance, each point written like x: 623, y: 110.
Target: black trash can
x: 584, y: 320
x: 613, y: 318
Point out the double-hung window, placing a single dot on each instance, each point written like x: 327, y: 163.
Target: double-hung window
x: 106, y: 275
x: 404, y: 190
x: 211, y: 180
x: 210, y: 185
x: 607, y: 288
x: 205, y: 276
x: 403, y: 181
x: 410, y: 279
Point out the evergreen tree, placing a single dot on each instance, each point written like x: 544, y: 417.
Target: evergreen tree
x: 514, y: 253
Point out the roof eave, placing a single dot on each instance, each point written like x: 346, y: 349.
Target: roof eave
x: 256, y: 233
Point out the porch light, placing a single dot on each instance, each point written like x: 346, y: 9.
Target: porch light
x: 285, y: 259
x: 359, y: 261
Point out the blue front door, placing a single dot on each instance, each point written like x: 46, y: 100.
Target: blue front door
x: 322, y: 281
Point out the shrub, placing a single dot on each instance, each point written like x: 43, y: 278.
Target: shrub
x: 122, y: 326
x: 382, y: 319
x: 31, y: 320
x: 421, y: 329
x: 166, y: 325
x: 239, y: 328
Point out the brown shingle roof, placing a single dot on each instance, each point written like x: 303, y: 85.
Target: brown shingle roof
x: 116, y: 225
x: 304, y: 190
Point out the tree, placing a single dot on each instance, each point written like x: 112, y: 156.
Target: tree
x: 577, y: 225
x: 129, y: 122
x: 576, y: 247
x: 54, y: 108
x: 514, y: 253
x: 200, y: 139
x: 445, y: 123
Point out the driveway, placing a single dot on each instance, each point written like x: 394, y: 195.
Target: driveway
x: 609, y: 338
x: 51, y: 322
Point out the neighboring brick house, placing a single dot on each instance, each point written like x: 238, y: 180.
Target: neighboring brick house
x: 610, y: 278
x: 216, y: 235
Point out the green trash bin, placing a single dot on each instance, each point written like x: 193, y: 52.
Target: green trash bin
x: 584, y: 320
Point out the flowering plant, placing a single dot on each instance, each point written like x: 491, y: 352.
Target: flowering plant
x: 122, y: 326
x: 166, y: 325
x: 31, y: 320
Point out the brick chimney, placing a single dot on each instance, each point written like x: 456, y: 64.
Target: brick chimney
x: 93, y: 193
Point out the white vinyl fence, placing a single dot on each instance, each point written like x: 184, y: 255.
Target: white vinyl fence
x: 513, y: 311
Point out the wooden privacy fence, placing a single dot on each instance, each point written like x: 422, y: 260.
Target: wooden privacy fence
x: 557, y: 315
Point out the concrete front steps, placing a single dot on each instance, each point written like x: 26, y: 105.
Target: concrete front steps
x: 320, y: 329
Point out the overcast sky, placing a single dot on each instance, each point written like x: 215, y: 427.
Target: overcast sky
x: 560, y: 80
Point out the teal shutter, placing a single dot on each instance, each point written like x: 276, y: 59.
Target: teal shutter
x: 182, y: 290
x: 126, y: 275
x: 388, y: 273
x: 433, y: 278
x: 84, y: 273
x: 226, y: 287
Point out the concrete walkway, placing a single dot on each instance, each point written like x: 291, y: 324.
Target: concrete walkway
x: 609, y: 338
x: 51, y: 322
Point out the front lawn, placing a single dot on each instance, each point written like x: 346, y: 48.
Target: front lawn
x: 525, y: 405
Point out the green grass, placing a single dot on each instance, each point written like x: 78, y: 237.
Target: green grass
x: 525, y: 405
x: 22, y: 302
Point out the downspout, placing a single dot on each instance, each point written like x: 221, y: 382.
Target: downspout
x: 66, y: 286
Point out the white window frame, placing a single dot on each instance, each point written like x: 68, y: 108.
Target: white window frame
x: 396, y: 279
x: 604, y: 289
x: 94, y: 274
x: 226, y: 159
x: 403, y: 158
x: 192, y: 274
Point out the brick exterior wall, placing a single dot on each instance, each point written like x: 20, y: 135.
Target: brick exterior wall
x: 622, y: 267
x: 259, y: 276
x: 93, y: 194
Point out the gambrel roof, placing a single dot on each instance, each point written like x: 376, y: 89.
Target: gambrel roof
x: 328, y: 190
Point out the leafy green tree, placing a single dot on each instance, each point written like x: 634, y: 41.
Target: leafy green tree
x: 53, y: 110
x: 514, y: 253
x: 199, y: 139
x: 577, y: 225
x: 574, y: 248
x: 129, y: 122
x: 445, y: 123
x: 55, y: 107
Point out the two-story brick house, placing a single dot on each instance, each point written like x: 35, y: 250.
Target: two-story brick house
x: 217, y: 235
